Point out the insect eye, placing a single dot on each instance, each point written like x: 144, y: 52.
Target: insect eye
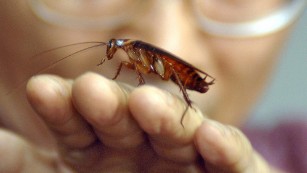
x: 119, y: 42
x: 111, y: 43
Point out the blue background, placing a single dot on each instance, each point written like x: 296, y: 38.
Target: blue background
x: 286, y: 95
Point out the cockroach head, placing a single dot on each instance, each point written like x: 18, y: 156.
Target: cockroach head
x: 111, y: 48
x: 115, y: 42
x: 119, y: 42
x: 111, y: 43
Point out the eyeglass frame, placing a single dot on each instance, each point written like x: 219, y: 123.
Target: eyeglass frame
x: 271, y: 23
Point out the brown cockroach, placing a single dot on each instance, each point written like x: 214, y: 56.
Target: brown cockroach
x: 145, y: 58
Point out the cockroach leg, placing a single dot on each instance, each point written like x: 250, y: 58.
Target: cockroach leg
x: 182, y: 116
x: 131, y: 66
x: 182, y: 88
x: 211, y: 82
x: 185, y: 94
x: 102, y: 61
x: 140, y: 78
x: 123, y: 63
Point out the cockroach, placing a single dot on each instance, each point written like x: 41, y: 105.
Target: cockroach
x: 145, y: 58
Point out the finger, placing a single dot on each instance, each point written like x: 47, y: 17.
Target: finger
x: 50, y: 96
x: 103, y: 103
x: 19, y: 156
x: 159, y: 115
x: 225, y: 148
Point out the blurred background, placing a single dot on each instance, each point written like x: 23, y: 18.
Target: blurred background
x: 286, y: 95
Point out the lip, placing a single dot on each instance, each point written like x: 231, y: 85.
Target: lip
x: 94, y: 15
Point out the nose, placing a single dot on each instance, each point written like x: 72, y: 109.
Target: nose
x: 169, y: 24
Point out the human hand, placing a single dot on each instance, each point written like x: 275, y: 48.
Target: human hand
x: 104, y: 126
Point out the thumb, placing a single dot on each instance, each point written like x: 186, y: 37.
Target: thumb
x: 225, y: 149
x: 17, y: 155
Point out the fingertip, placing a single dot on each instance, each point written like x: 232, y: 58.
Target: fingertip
x: 93, y: 96
x: 48, y: 94
x: 222, y: 145
x: 159, y: 111
x: 47, y: 85
x: 101, y: 101
x: 207, y: 141
x: 38, y: 87
x: 158, y: 114
x: 104, y: 105
x: 149, y: 107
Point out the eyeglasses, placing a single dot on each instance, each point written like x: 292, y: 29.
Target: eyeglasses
x: 249, y: 22
x: 217, y: 17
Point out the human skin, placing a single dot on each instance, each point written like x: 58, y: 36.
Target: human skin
x: 93, y: 124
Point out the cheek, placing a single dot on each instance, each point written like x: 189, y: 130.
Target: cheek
x: 244, y: 59
x: 245, y: 62
x: 241, y: 68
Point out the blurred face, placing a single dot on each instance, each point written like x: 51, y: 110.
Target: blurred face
x: 241, y: 66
